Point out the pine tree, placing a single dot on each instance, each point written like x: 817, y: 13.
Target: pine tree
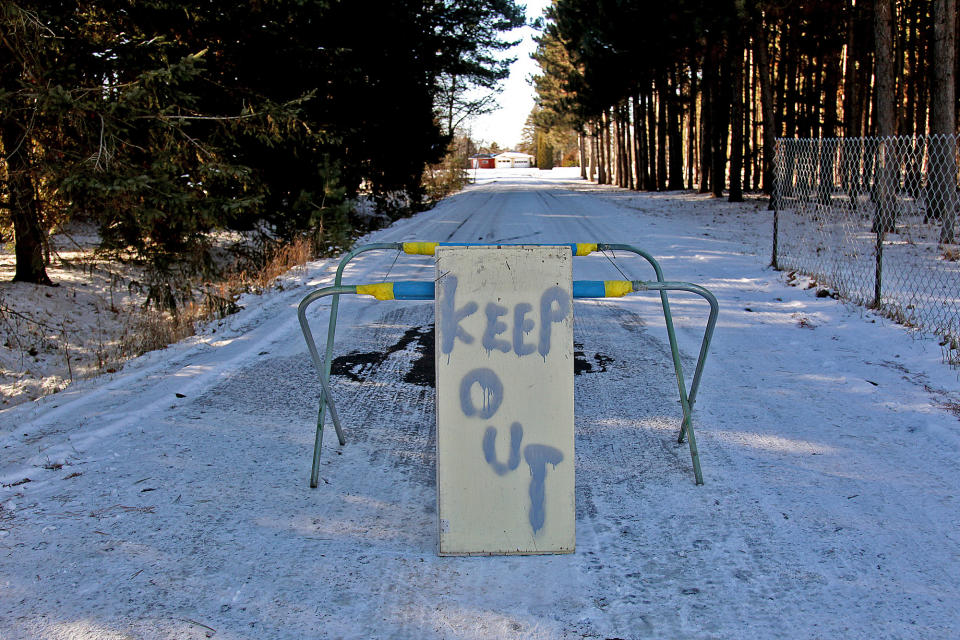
x: 943, y: 147
x: 166, y: 120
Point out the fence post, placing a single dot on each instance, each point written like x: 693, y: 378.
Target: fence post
x: 878, y: 270
x: 775, y: 199
x: 885, y: 217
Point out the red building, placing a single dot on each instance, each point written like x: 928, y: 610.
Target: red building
x: 483, y: 161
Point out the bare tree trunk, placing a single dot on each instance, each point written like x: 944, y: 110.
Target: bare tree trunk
x: 828, y: 150
x: 908, y: 123
x: 581, y: 144
x: 652, y: 140
x: 453, y: 93
x: 736, y: 123
x: 675, y: 117
x: 720, y: 121
x: 623, y: 161
x: 640, y: 142
x: 866, y: 112
x: 662, y: 98
x: 630, y: 134
x: 748, y: 117
x: 25, y: 212
x: 851, y: 107
x: 594, y: 153
x: 602, y: 144
x: 943, y: 144
x: 611, y: 149
x: 608, y: 148
x: 706, y: 125
x: 899, y: 64
x: 779, y: 77
x: 615, y: 143
x: 922, y: 82
x: 790, y: 93
x: 883, y: 45
x: 21, y: 192
x: 691, y: 124
x: 886, y: 217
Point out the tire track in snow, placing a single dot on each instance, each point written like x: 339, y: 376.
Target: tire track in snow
x: 769, y: 547
x: 755, y: 564
x: 778, y: 547
x: 149, y: 384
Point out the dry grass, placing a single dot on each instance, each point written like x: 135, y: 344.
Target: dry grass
x: 151, y: 329
x: 279, y: 261
x: 950, y: 348
x: 96, y: 319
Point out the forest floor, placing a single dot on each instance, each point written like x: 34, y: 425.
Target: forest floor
x: 94, y: 319
x: 86, y: 325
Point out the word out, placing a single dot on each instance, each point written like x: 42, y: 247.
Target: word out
x: 554, y: 307
x: 537, y: 456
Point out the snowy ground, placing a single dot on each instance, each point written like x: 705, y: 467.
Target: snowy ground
x: 920, y: 283
x: 88, y: 324
x: 170, y: 499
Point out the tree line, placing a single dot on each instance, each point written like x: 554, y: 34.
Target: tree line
x: 690, y: 94
x: 164, y: 121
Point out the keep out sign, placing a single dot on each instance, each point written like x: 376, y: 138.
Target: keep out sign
x: 505, y: 474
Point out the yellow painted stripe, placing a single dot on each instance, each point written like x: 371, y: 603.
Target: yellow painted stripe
x: 586, y: 248
x: 380, y: 291
x: 420, y: 248
x: 617, y: 288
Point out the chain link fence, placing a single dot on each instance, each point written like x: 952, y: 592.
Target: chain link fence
x: 875, y: 220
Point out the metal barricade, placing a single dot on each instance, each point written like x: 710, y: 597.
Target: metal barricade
x: 424, y: 290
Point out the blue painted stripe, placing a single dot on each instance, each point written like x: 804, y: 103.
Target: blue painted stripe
x: 589, y: 289
x: 424, y: 290
x: 572, y: 245
x: 413, y: 290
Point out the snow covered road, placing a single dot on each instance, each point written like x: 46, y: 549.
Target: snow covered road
x: 170, y: 500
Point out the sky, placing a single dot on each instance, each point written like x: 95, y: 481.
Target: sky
x: 505, y: 125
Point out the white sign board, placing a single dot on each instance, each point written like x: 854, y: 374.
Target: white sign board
x: 504, y: 355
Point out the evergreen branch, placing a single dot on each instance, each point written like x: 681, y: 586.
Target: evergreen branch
x: 96, y: 163
x: 166, y: 117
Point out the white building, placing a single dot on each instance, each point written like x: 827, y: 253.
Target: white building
x: 514, y: 160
